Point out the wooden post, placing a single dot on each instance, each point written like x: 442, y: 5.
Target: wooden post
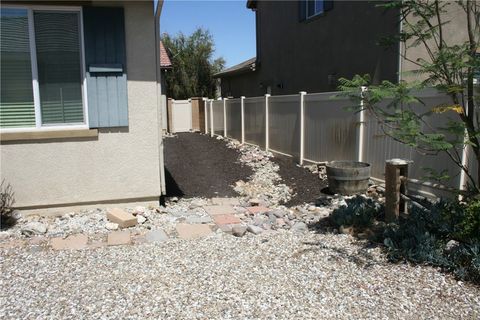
x: 396, y: 174
x: 242, y: 106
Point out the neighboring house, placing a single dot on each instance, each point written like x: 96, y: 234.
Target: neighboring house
x: 307, y: 45
x: 165, y: 66
x: 80, y: 119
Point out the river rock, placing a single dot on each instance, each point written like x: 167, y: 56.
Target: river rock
x: 34, y: 228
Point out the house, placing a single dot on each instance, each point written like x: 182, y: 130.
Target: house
x: 80, y: 116
x: 165, y: 66
x: 307, y: 45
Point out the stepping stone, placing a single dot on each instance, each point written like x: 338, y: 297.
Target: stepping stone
x: 118, y: 238
x: 197, y: 219
x: 192, y: 231
x: 214, y: 210
x: 97, y: 244
x: 73, y: 242
x: 122, y: 218
x: 226, y: 201
x: 226, y: 219
x: 259, y: 209
x: 156, y: 236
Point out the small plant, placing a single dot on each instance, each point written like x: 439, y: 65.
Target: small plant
x: 6, y: 204
x: 359, y: 212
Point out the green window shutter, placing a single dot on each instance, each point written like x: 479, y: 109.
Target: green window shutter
x: 105, y: 61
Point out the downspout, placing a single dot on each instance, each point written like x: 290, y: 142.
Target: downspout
x: 161, y: 160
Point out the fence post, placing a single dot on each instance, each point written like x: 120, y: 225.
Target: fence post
x: 302, y: 126
x: 224, y: 117
x: 266, y: 122
x: 205, y: 113
x: 242, y: 115
x: 211, y: 118
x: 396, y: 175
x: 361, y: 130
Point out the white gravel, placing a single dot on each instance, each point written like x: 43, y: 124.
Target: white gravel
x: 279, y: 275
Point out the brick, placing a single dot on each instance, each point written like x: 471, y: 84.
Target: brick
x: 225, y: 219
x: 214, y: 210
x: 122, y: 218
x: 118, y: 238
x: 192, y: 231
x: 74, y: 242
x: 226, y: 201
x: 256, y: 210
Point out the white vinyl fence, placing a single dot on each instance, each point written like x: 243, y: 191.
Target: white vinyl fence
x: 318, y: 128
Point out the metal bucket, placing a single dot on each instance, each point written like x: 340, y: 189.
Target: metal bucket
x: 348, y: 177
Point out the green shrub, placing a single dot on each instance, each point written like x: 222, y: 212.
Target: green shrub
x: 6, y: 203
x: 443, y: 236
x: 359, y: 212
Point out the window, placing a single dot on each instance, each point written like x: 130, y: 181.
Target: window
x: 314, y: 7
x: 41, y: 68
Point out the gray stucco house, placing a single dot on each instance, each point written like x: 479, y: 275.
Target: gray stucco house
x: 307, y: 45
x: 80, y: 105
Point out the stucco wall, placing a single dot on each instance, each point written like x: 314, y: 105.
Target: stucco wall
x: 299, y: 56
x: 121, y: 163
x: 454, y: 32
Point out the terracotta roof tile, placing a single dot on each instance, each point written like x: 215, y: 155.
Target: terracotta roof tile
x: 164, y: 58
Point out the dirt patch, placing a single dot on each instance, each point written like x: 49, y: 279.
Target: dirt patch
x: 306, y: 186
x: 197, y: 165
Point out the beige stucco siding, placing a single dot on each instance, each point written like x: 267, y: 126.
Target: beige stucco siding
x: 454, y: 32
x: 121, y: 163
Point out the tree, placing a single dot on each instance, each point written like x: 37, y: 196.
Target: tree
x: 450, y: 68
x: 193, y: 65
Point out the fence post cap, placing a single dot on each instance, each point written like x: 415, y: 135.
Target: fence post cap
x: 303, y: 92
x: 267, y: 94
x: 242, y: 97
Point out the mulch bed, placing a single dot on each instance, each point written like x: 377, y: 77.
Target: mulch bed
x: 306, y: 186
x: 197, y: 165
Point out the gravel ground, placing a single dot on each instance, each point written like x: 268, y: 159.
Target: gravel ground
x: 200, y: 166
x: 279, y: 275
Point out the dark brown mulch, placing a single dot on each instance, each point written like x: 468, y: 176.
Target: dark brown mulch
x: 197, y: 165
x: 306, y: 186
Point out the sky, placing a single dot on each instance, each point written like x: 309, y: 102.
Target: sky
x: 231, y: 24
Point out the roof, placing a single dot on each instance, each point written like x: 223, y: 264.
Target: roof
x: 242, y: 67
x: 252, y: 4
x: 165, y: 62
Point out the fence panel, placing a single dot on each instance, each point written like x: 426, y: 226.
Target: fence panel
x: 284, y: 124
x: 330, y: 130
x: 233, y: 109
x: 218, y: 125
x: 207, y: 114
x: 254, y: 109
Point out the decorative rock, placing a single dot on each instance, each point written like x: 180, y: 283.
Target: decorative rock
x: 257, y: 209
x: 192, y: 231
x: 312, y: 208
x: 198, y: 220
x: 4, y: 235
x: 118, y: 238
x: 254, y: 202
x: 225, y: 219
x: 74, y: 242
x: 141, y: 219
x: 254, y: 229
x: 278, y: 213
x: 111, y: 226
x: 34, y: 228
x: 227, y: 228
x: 451, y: 245
x: 345, y: 230
x: 139, y: 209
x: 214, y: 210
x: 299, y: 227
x: 156, y: 236
x: 121, y: 217
x: 196, y: 203
x: 225, y: 201
x: 239, y: 230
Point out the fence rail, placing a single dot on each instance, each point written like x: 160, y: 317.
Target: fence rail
x: 318, y: 128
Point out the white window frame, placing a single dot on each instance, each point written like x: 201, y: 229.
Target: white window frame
x: 315, y: 7
x: 35, y: 85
